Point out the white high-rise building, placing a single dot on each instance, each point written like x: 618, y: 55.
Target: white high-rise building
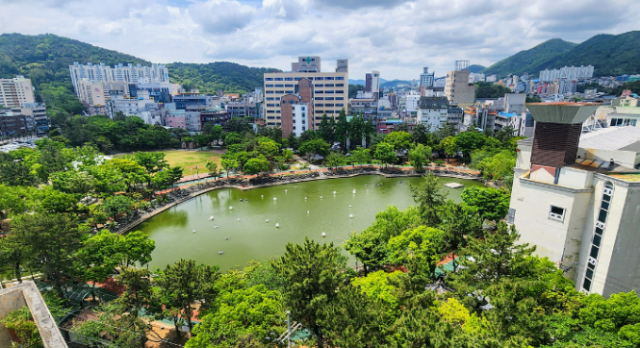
x: 570, y: 73
x: 119, y: 73
x: 372, y: 82
x: 426, y: 78
x: 16, y: 92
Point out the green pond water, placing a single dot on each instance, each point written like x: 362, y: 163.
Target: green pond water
x: 252, y: 238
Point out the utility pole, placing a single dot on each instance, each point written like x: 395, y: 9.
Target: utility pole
x: 197, y: 178
x: 288, y: 329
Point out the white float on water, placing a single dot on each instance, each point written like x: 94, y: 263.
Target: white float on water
x: 277, y: 225
x: 194, y: 231
x: 453, y: 185
x: 211, y: 218
x: 230, y: 208
x: 324, y: 234
x: 261, y: 196
x: 274, y: 198
x: 226, y: 238
x: 307, y: 212
x: 215, y: 226
x: 267, y: 220
x: 220, y: 252
x: 305, y: 198
x: 349, y: 205
x: 320, y: 197
x: 350, y: 216
x: 354, y: 191
x: 285, y: 191
x: 334, y: 192
x: 238, y: 219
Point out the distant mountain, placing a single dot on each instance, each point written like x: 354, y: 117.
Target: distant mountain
x: 475, y: 68
x: 531, y: 61
x: 394, y: 83
x: 211, y: 77
x: 363, y: 82
x: 611, y: 55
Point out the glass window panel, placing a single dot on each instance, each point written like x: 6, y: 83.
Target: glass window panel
x: 606, y: 198
x: 587, y: 284
x: 602, y: 217
x: 589, y: 274
x: 597, y: 239
x: 605, y: 205
x: 594, y: 251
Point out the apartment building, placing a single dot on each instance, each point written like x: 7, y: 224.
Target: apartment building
x: 576, y: 197
x: 457, y: 88
x: 372, y: 82
x: 16, y: 92
x: 329, y: 90
x: 570, y: 73
x: 119, y: 73
x: 433, y: 112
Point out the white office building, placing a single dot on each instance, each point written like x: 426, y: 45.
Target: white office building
x: 119, y: 73
x: 427, y: 78
x: 576, y: 197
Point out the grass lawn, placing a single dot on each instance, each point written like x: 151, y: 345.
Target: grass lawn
x: 189, y: 159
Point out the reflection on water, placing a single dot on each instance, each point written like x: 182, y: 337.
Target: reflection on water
x: 251, y: 237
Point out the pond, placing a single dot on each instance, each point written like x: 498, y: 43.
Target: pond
x: 251, y: 237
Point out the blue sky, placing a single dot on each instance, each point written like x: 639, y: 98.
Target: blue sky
x: 396, y: 37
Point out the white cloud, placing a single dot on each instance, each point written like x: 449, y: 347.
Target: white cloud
x: 396, y: 37
x: 222, y: 16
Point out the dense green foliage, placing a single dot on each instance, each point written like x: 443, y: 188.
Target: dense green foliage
x: 611, y: 55
x: 45, y: 59
x: 475, y: 68
x: 532, y: 60
x: 490, y: 90
x: 211, y: 77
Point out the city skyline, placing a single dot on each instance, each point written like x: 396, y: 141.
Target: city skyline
x: 370, y: 34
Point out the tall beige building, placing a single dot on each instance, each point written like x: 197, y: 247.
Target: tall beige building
x: 458, y: 89
x: 96, y: 93
x: 330, y: 90
x: 16, y: 92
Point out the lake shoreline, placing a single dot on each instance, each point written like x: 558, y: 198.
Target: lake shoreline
x: 196, y: 193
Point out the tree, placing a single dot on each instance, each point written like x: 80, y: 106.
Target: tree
x: 152, y: 162
x: 449, y: 146
x: 499, y: 166
x: 492, y: 204
x: 311, y: 273
x: 468, y: 142
x: 399, y: 140
x: 335, y: 160
x: 13, y: 254
x: 51, y: 242
x: 139, y: 291
x: 385, y: 153
x: 421, y: 134
x: 418, y: 156
x: 326, y: 129
x: 256, y: 165
x: 378, y: 286
x: 117, y: 205
x: 72, y: 181
x: 136, y: 247
x: 342, y: 128
x: 361, y: 155
x: 213, y: 168
x: 314, y: 147
x: 185, y: 282
x: 228, y: 164
x: 232, y: 138
x: 459, y: 222
x: 430, y: 198
x: 98, y: 256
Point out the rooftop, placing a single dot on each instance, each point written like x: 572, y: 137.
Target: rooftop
x: 635, y: 177
x: 612, y: 138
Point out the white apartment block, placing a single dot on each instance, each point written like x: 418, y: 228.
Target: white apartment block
x: 576, y: 197
x: 330, y: 90
x: 16, y: 92
x: 300, y: 117
x: 427, y: 78
x: 119, y: 73
x: 570, y: 73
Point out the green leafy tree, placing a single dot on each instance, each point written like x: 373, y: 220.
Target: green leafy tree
x: 139, y: 291
x: 228, y: 164
x: 418, y: 156
x: 385, y: 153
x: 327, y: 129
x: 361, y: 155
x: 314, y: 147
x: 51, y: 242
x: 13, y: 255
x: 499, y: 166
x: 460, y: 223
x: 430, y: 198
x: 232, y: 138
x: 212, y: 167
x: 185, y: 282
x: 449, y: 146
x: 115, y: 206
x: 98, y: 257
x: 335, y: 160
x: 469, y: 141
x: 256, y: 165
x: 342, y: 129
x: 399, y: 140
x: 311, y: 273
x: 492, y: 204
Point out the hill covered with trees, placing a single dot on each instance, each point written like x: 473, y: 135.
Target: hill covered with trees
x: 211, y: 77
x: 610, y: 55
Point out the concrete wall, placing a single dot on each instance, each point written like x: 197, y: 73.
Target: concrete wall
x: 620, y: 257
x: 9, y: 302
x: 532, y: 202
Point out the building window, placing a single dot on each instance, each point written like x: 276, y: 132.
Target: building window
x: 288, y: 78
x: 319, y: 85
x: 278, y: 79
x: 319, y: 98
x: 339, y: 98
x: 269, y: 92
x: 556, y: 213
x: 279, y: 85
x: 329, y: 85
x: 329, y: 78
x: 271, y: 98
x: 340, y: 78
x: 340, y: 104
x: 269, y: 85
x: 319, y: 92
x: 319, y: 78
x: 288, y: 85
x: 268, y: 79
x: 339, y: 84
x: 319, y: 105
